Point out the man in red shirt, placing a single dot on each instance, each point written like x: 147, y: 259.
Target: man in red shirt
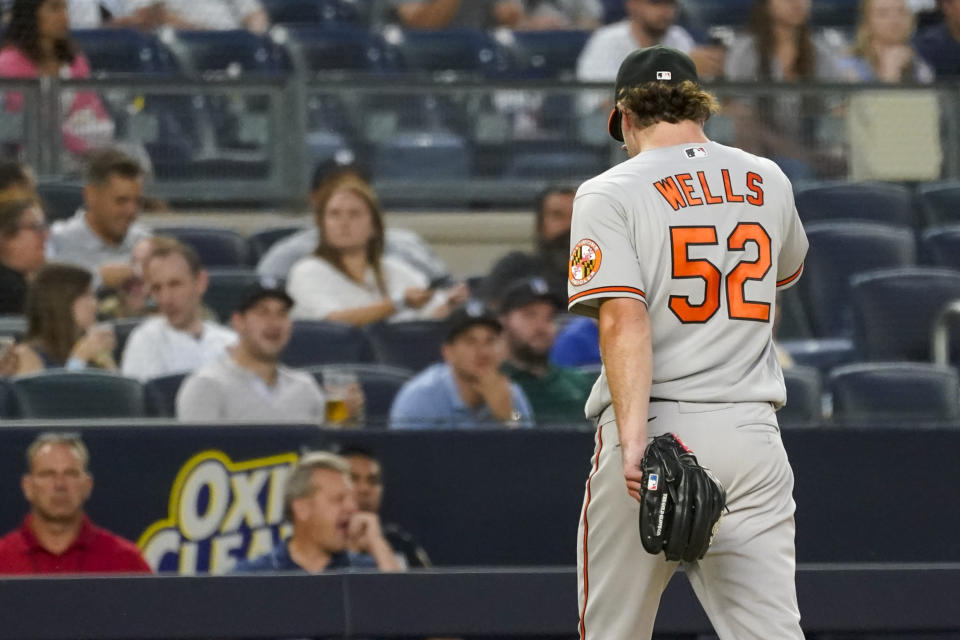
x: 56, y: 536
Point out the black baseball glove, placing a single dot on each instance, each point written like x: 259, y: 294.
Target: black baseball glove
x: 682, y: 501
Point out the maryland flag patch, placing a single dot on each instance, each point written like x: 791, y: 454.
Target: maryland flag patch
x: 584, y: 262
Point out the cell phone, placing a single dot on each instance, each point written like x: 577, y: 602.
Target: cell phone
x: 440, y: 282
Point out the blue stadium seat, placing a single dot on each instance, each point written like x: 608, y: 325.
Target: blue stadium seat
x: 124, y: 51
x: 160, y: 395
x: 411, y: 345
x: 338, y: 48
x: 804, y: 397
x: 380, y: 384
x: 793, y: 321
x: 939, y: 202
x: 238, y: 51
x: 822, y: 354
x: 550, y: 54
x: 839, y: 250
x: 712, y: 13
x: 60, y: 199
x: 464, y: 51
x: 216, y: 247
x: 422, y: 155
x: 261, y: 241
x: 9, y: 406
x: 555, y: 165
x: 122, y: 328
x: 315, y: 342
x: 56, y: 393
x: 225, y: 289
x: 894, y: 310
x: 835, y: 13
x: 355, y: 12
x: 902, y: 391
x: 879, y: 202
x: 941, y: 246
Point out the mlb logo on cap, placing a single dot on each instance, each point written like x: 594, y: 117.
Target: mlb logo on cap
x: 664, y: 75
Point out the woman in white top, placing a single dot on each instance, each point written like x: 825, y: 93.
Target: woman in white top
x: 348, y: 279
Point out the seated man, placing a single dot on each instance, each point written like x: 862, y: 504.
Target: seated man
x: 467, y: 390
x: 57, y: 536
x: 179, y: 339
x: 528, y: 313
x: 367, y: 475
x: 214, y: 15
x: 319, y: 502
x: 101, y: 236
x: 248, y: 382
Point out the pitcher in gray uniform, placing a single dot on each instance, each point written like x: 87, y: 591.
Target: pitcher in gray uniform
x: 679, y: 252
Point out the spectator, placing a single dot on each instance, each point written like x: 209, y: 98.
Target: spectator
x: 444, y: 14
x: 131, y: 300
x: 320, y: 503
x: 57, y: 536
x: 577, y: 344
x: 23, y: 239
x: 467, y: 390
x: 179, y: 339
x: 248, y: 383
x: 214, y: 15
x: 528, y: 314
x: 554, y: 209
x: 780, y: 48
x: 563, y: 14
x: 883, y: 52
x: 402, y: 244
x: 940, y: 44
x: 61, y: 313
x: 366, y: 472
x: 16, y: 182
x: 348, y: 279
x: 648, y: 22
x: 101, y: 236
x: 37, y: 43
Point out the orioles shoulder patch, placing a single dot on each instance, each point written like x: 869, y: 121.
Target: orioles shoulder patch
x: 584, y: 262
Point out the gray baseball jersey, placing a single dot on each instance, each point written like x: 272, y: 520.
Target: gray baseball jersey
x: 704, y: 234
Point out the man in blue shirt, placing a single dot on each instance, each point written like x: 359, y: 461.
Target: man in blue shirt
x: 940, y: 44
x: 467, y: 390
x: 320, y: 502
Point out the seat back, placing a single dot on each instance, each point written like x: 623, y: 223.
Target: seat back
x: 884, y: 391
x: 939, y: 202
x: 63, y: 394
x: 232, y: 52
x: 9, y: 405
x: 875, y: 201
x: 839, y: 250
x: 60, y: 199
x: 340, y: 48
x: 160, y: 395
x: 550, y: 54
x: 216, y: 247
x: 464, y: 51
x: 422, y: 155
x: 124, y: 51
x: 941, y: 246
x: 261, y: 241
x: 225, y: 288
x: 316, y: 12
x: 316, y: 342
x: 804, y: 396
x: 894, y: 310
x: 412, y: 345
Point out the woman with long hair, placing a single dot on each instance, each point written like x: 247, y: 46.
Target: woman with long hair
x: 61, y: 312
x: 883, y: 51
x: 37, y: 43
x: 23, y: 240
x: 348, y: 279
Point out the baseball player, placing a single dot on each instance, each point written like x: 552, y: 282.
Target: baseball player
x: 679, y: 252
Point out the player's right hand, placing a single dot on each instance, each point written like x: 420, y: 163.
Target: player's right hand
x: 632, y: 455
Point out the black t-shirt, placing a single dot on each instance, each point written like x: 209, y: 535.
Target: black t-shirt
x: 13, y: 291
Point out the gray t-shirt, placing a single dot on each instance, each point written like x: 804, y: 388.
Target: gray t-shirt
x: 223, y: 390
x: 74, y: 242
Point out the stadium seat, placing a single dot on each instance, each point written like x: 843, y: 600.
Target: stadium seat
x: 822, y: 354
x: 422, y: 155
x: 318, y: 11
x: 548, y: 55
x: 122, y: 328
x: 231, y: 52
x: 79, y: 394
x: 225, y: 289
x: 463, y: 51
x: 793, y: 320
x: 261, y: 241
x: 60, y: 199
x: 216, y: 247
x: 895, y: 309
x: 712, y: 13
x: 941, y: 246
x: 9, y: 407
x: 839, y: 250
x: 160, y: 395
x: 904, y: 391
x: 315, y: 342
x: 804, y: 397
x: 380, y: 384
x: 338, y: 48
x: 555, y: 165
x: 939, y: 202
x: 410, y: 345
x: 124, y: 51
x: 875, y: 201
x: 835, y: 13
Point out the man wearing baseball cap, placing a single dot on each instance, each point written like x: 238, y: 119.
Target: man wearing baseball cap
x: 528, y: 313
x: 467, y: 390
x: 248, y: 383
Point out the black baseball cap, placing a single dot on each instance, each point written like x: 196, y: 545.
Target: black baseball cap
x: 470, y: 314
x: 653, y: 64
x: 523, y: 292
x: 261, y: 290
